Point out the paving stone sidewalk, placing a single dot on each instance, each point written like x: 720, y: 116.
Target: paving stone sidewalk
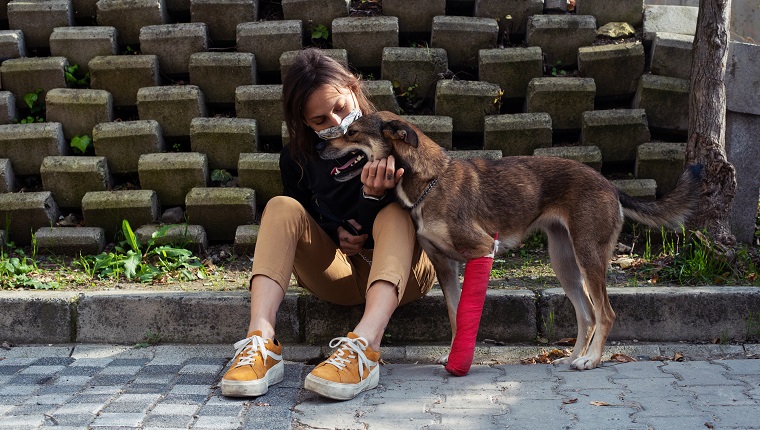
x: 110, y: 387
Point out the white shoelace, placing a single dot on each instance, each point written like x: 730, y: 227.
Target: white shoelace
x: 350, y: 349
x: 248, y: 348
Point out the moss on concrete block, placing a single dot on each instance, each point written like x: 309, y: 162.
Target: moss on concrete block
x: 26, y: 145
x: 174, y: 107
x: 217, y: 74
x: 173, y: 44
x: 71, y: 240
x: 589, y: 155
x: 69, y: 178
x: 122, y: 143
x: 260, y: 172
x: 221, y: 210
x: 437, y: 128
x: 467, y: 103
x: 124, y: 75
x: 27, y: 212
x: 364, y: 38
x: 262, y: 103
x: 21, y: 76
x: 267, y: 40
x: 511, y: 68
x: 518, y: 134
x: 462, y: 37
x: 78, y: 110
x: 173, y: 175
x: 107, y: 209
x: 564, y: 99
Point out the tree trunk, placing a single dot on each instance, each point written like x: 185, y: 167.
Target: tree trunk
x: 707, y: 122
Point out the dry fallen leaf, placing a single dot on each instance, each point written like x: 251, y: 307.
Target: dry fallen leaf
x: 622, y: 358
x: 677, y: 356
x: 569, y: 401
x: 598, y: 403
x: 567, y: 341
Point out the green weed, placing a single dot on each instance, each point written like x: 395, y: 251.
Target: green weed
x: 16, y: 269
x: 75, y: 78
x: 144, y: 263
x: 36, y: 107
x: 697, y: 263
x: 81, y: 144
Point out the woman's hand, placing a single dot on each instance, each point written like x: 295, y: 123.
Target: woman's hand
x: 380, y: 175
x: 350, y: 244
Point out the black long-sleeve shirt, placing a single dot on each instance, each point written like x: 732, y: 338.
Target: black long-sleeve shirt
x: 341, y: 199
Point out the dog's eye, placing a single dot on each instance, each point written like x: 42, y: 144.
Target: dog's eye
x: 350, y: 133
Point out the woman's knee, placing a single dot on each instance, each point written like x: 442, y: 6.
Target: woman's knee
x: 395, y: 217
x: 283, y: 208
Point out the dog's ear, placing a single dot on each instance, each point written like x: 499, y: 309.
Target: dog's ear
x: 400, y: 130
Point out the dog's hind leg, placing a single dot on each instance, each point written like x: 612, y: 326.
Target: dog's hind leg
x: 565, y: 266
x: 593, y: 259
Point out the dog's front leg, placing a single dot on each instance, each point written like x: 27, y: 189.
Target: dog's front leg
x: 447, y: 271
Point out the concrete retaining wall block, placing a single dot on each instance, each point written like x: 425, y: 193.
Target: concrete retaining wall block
x: 381, y: 94
x: 414, y: 16
x: 414, y: 67
x: 124, y: 75
x: 173, y: 175
x: 71, y: 240
x: 518, y: 134
x: 640, y: 188
x: 511, y: 68
x: 365, y: 38
x: 27, y: 213
x: 661, y: 161
x: 245, y: 239
x: 221, y: 210
x: 81, y: 44
x: 128, y: 17
x: 173, y: 44
x: 174, y: 107
x: 223, y: 140
x: 616, y: 69
x: 122, y: 143
x: 262, y: 103
x: 37, y: 317
x: 78, y: 110
x: 192, y: 237
x: 437, y: 128
x: 12, y: 43
x: 222, y: 16
x: 486, y: 154
x: 315, y: 12
x: 107, y: 209
x: 217, y: 74
x: 260, y: 172
x: 662, y: 315
x: 7, y: 107
x: 7, y: 178
x: 267, y: 40
x: 564, y: 99
x: 462, y: 37
x: 588, y: 155
x: 37, y: 19
x: 742, y: 78
x: 26, y: 145
x: 666, y: 101
x: 630, y: 11
x: 467, y: 103
x: 69, y: 178
x: 25, y: 75
x: 518, y: 10
x: 670, y: 19
x: 617, y: 133
x: 671, y: 55
x: 560, y: 36
x: 287, y: 58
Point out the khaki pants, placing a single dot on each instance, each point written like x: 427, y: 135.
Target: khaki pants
x: 290, y: 241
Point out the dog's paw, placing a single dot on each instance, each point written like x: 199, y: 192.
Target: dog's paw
x: 564, y: 360
x: 444, y: 359
x: 586, y: 362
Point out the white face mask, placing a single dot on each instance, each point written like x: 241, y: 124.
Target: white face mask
x: 340, y: 129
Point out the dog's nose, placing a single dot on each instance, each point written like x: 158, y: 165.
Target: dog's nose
x: 321, y: 146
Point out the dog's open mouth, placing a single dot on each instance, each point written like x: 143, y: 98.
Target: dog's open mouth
x: 350, y: 168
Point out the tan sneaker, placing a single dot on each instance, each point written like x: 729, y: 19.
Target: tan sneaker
x: 257, y: 365
x: 351, y: 369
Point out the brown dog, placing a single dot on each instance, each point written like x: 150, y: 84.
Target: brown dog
x: 458, y: 205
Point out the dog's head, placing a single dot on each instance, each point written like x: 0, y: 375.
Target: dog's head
x: 371, y: 137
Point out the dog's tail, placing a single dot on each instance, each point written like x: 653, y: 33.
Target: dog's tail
x: 674, y: 208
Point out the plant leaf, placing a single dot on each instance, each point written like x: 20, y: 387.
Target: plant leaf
x: 129, y: 235
x: 81, y: 142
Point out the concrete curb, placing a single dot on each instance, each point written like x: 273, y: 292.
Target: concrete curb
x: 657, y: 314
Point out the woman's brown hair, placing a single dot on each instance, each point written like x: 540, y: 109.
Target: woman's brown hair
x: 310, y: 70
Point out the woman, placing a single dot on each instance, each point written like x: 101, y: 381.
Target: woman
x: 338, y: 230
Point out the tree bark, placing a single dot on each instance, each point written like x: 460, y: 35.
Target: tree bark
x: 707, y: 122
